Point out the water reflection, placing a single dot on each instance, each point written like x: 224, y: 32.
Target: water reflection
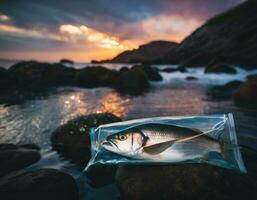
x: 115, y: 104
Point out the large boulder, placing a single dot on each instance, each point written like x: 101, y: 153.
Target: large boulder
x: 35, y: 74
x: 183, y: 182
x: 7, y: 79
x: 72, y: 139
x: 172, y: 69
x: 220, y: 68
x: 100, y: 175
x: 151, y: 72
x: 40, y: 184
x: 14, y: 157
x: 96, y: 76
x: 134, y: 82
x: 247, y: 92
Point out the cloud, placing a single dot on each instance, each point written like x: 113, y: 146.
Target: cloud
x: 4, y: 18
x: 77, y: 33
x: 100, y: 28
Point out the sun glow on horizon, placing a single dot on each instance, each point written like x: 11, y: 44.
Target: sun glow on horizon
x: 101, y: 39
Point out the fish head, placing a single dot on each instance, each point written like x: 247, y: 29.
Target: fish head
x: 125, y: 142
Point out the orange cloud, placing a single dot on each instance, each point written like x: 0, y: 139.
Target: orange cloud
x: 104, y: 40
x: 4, y: 18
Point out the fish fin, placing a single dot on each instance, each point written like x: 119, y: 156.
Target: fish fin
x: 158, y: 148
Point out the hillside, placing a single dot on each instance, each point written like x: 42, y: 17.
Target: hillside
x: 145, y: 53
x: 229, y: 37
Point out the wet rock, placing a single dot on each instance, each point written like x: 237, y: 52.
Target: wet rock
x: 220, y: 68
x: 183, y: 182
x: 246, y: 93
x: 58, y: 75
x: 124, y: 69
x: 72, y: 139
x: 40, y: 184
x: 134, y: 82
x: 221, y: 92
x: 97, y: 76
x: 37, y: 74
x: 177, y: 69
x: 7, y: 79
x: 151, y: 72
x: 101, y: 175
x: 14, y: 157
x: 191, y: 78
x: 66, y: 61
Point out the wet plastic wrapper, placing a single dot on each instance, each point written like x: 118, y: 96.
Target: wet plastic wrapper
x: 168, y: 140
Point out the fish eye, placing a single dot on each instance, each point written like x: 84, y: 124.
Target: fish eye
x: 122, y: 137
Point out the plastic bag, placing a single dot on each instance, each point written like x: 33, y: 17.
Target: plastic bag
x: 188, y: 139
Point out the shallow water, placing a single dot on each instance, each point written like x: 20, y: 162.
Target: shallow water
x: 34, y: 120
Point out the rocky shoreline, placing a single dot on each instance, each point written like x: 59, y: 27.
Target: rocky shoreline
x: 36, y: 75
x: 29, y: 77
x: 72, y: 142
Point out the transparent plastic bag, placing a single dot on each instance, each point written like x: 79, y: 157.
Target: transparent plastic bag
x: 161, y: 140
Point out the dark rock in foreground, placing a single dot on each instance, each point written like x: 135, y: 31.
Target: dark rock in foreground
x: 220, y: 68
x: 151, y: 72
x: 247, y: 92
x: 134, y: 82
x: 191, y: 78
x: 72, y: 139
x: 183, y: 182
x: 42, y: 184
x: 6, y: 79
x: 101, y: 175
x: 13, y: 157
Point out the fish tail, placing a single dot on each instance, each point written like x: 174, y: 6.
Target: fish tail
x: 231, y: 154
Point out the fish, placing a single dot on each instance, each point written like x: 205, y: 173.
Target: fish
x: 162, y: 142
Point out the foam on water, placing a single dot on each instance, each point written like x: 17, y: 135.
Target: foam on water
x: 209, y: 78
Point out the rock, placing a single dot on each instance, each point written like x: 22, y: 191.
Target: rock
x: 185, y: 181
x: 97, y: 76
x: 66, y: 61
x: 72, y: 139
x: 170, y: 70
x: 40, y: 184
x: 221, y: 92
x: 151, y: 72
x: 101, y: 175
x: 232, y: 85
x: 42, y: 74
x: 58, y: 75
x: 191, y: 78
x: 220, y: 68
x: 7, y: 78
x: 30, y: 146
x: 246, y: 93
x: 124, y: 69
x: 132, y: 82
x: 14, y: 157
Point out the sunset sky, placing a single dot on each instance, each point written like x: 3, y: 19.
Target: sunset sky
x: 83, y: 30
